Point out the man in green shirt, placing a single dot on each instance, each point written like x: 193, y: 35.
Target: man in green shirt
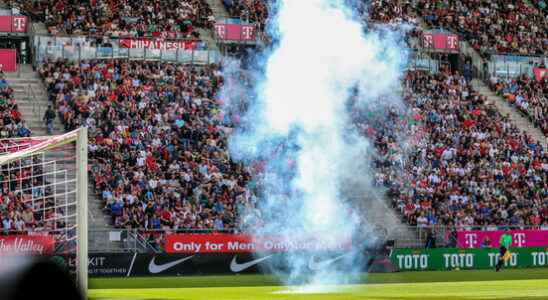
x: 505, y: 244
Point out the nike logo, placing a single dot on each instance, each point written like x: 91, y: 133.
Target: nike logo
x: 155, y: 269
x: 236, y: 267
x: 315, y: 266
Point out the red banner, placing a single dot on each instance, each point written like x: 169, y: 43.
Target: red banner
x: 235, y: 32
x: 232, y: 243
x: 540, y: 73
x: 440, y: 41
x: 156, y: 44
x: 27, y: 244
x: 8, y: 60
x: 520, y: 238
x: 13, y: 24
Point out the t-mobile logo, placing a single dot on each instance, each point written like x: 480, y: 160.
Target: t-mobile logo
x: 452, y: 42
x: 471, y: 239
x: 247, y: 33
x: 221, y: 29
x: 520, y: 239
x: 428, y: 40
x: 19, y: 24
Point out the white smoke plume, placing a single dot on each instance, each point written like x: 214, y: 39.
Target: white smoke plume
x: 316, y: 175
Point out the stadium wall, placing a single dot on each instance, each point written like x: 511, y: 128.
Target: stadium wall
x: 137, y: 265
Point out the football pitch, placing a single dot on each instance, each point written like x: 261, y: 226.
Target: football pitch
x: 522, y: 284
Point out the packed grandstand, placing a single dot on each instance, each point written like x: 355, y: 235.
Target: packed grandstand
x: 158, y: 138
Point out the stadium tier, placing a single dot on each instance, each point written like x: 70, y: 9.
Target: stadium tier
x: 159, y: 156
x: 528, y: 94
x: 157, y: 141
x: 156, y: 94
x: 121, y: 18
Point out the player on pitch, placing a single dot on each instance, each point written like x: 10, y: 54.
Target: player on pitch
x: 505, y: 243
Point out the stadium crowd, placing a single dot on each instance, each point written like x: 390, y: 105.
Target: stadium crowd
x: 528, y: 95
x: 468, y: 165
x: 11, y: 123
x: 388, y: 11
x: 135, y: 18
x: 500, y: 26
x: 159, y: 155
x: 158, y: 139
x: 157, y: 143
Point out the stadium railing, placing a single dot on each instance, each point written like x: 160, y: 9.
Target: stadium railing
x: 136, y: 240
x: 508, y: 66
x: 71, y: 49
x: 72, y: 53
x: 115, y: 42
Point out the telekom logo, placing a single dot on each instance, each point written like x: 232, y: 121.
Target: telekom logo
x: 520, y: 239
x: 452, y: 42
x: 247, y: 32
x: 471, y: 239
x: 220, y: 30
x: 19, y: 24
x: 428, y: 40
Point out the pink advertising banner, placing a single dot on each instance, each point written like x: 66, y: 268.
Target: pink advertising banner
x: 440, y: 41
x: 235, y: 32
x: 521, y: 238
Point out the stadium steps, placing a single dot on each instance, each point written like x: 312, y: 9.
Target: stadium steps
x: 220, y: 13
x: 218, y: 8
x: 32, y: 108
x: 505, y: 109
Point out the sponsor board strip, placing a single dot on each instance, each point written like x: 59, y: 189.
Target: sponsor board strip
x: 135, y: 265
x: 27, y: 245
x: 240, y: 243
x: 520, y: 238
x: 471, y: 259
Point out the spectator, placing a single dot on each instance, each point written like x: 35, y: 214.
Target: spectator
x: 49, y: 117
x: 430, y: 240
x: 486, y: 243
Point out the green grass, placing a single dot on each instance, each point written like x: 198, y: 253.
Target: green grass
x: 521, y: 284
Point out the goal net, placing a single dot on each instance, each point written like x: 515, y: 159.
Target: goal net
x: 43, y: 204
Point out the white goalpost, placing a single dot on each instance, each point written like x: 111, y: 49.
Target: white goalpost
x: 45, y: 180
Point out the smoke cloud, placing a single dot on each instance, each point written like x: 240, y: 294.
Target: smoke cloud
x: 311, y: 168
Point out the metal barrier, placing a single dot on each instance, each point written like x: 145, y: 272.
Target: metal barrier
x: 423, y: 61
x: 508, y: 66
x: 91, y: 41
x: 72, y: 53
x: 132, y: 240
